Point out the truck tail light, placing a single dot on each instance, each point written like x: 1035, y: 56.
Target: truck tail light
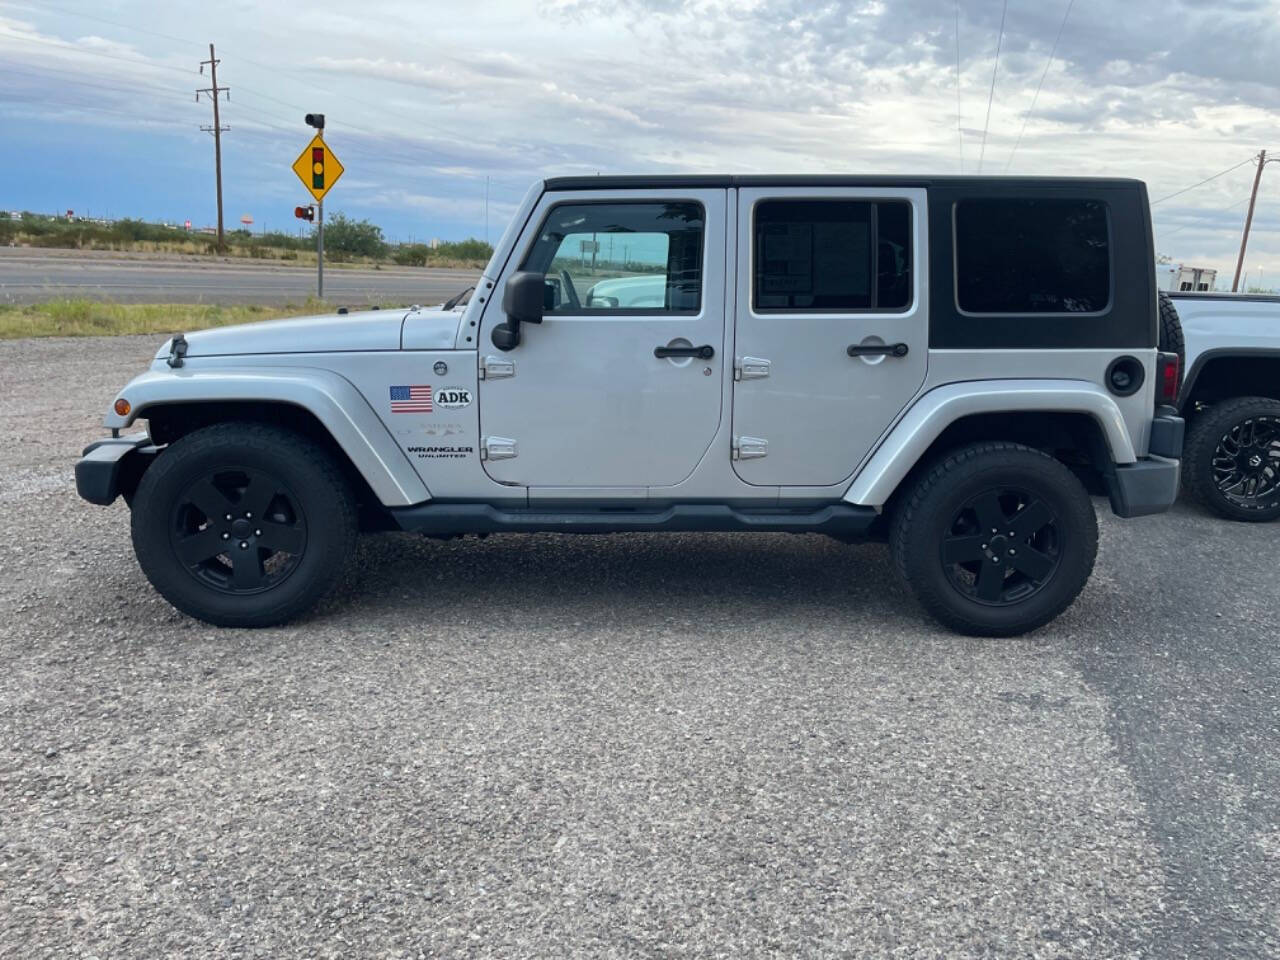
x: 1168, y: 378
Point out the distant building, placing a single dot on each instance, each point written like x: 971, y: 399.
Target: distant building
x: 1176, y: 278
x: 435, y: 243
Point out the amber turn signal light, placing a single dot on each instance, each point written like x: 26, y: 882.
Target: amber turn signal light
x: 122, y: 407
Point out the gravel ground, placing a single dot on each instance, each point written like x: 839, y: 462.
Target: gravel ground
x: 731, y: 746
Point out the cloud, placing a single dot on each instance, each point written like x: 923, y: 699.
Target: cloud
x: 431, y: 99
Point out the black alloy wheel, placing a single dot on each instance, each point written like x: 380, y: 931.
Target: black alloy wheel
x: 1246, y: 463
x: 1002, y: 547
x: 238, y: 530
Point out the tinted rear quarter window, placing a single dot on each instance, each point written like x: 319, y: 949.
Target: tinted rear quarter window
x: 1032, y: 256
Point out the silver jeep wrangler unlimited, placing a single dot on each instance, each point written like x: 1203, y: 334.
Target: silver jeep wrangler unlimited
x: 951, y: 364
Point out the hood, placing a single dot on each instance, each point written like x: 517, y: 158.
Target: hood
x: 324, y: 333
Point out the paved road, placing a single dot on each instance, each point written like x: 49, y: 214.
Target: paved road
x: 31, y: 276
x: 640, y: 745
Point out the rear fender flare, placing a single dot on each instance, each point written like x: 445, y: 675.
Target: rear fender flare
x: 331, y: 398
x: 937, y: 409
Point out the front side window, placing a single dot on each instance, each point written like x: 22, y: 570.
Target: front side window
x: 832, y: 255
x: 603, y: 258
x: 1032, y: 256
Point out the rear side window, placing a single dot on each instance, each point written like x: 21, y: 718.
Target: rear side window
x: 1032, y: 256
x: 620, y: 258
x: 832, y: 255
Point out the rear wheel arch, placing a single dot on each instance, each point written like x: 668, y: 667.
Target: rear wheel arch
x: 1074, y: 439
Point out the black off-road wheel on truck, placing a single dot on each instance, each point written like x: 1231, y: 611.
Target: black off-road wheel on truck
x: 243, y: 524
x: 996, y: 539
x: 1231, y: 460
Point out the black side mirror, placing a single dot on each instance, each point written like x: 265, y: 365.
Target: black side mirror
x: 522, y: 302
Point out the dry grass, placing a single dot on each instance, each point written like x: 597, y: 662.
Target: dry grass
x: 87, y: 318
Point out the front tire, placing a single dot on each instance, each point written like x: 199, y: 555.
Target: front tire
x: 996, y: 539
x: 243, y: 524
x: 1231, y: 461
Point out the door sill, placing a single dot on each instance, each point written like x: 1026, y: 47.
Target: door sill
x: 845, y: 520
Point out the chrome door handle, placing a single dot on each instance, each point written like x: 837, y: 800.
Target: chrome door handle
x: 704, y: 352
x: 878, y: 350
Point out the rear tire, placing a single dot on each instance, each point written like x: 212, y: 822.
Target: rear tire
x: 243, y: 524
x: 996, y: 539
x: 1218, y: 461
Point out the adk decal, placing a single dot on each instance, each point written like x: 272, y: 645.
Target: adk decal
x: 453, y: 397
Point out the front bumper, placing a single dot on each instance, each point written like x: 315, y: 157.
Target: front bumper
x: 111, y: 466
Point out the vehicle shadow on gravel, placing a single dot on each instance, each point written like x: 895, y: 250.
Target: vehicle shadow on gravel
x: 716, y: 580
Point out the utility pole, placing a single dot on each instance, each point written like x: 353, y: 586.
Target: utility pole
x: 216, y: 129
x: 1248, y: 220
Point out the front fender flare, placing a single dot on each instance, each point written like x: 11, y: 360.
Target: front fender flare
x: 332, y: 399
x: 937, y: 409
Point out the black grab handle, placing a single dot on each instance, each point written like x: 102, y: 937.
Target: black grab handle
x: 704, y: 352
x: 882, y: 350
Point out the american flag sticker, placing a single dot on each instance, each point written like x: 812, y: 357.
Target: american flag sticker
x: 411, y: 399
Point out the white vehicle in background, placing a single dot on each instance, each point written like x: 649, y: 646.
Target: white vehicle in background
x: 1230, y: 399
x: 1176, y: 278
x: 629, y: 292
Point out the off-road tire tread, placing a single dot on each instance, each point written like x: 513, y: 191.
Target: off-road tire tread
x: 941, y: 472
x: 1203, y: 433
x: 1171, y: 339
x: 339, y: 517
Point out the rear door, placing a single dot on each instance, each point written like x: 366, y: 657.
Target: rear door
x: 820, y: 272
x: 583, y: 401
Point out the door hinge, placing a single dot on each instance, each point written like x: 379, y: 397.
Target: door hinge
x: 496, y: 368
x: 750, y: 368
x: 750, y: 448
x: 497, y: 448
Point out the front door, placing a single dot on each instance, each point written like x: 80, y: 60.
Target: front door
x: 821, y: 271
x: 583, y: 401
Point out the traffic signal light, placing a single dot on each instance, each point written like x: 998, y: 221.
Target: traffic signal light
x: 305, y: 213
x: 317, y: 168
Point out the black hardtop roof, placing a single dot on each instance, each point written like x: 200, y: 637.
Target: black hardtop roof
x: 692, y: 181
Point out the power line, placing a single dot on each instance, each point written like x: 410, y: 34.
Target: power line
x: 992, y: 95
x: 114, y: 23
x: 77, y: 51
x: 1192, y: 223
x: 1048, y: 63
x: 959, y: 129
x: 1178, y: 193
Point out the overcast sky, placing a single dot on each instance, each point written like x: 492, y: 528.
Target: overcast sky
x: 425, y: 99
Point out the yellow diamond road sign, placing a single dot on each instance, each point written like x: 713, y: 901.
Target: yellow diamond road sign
x: 317, y: 168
